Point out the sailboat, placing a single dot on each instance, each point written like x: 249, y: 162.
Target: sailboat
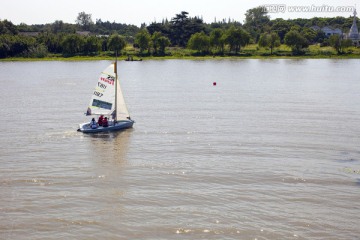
x: 108, y: 100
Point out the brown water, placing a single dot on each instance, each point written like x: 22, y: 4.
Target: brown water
x: 271, y: 152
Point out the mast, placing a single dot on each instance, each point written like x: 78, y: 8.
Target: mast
x: 116, y: 83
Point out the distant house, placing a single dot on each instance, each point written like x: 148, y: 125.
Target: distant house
x: 328, y: 30
x: 83, y: 33
x: 100, y: 36
x: 331, y: 31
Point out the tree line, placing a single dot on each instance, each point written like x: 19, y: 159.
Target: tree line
x: 223, y: 37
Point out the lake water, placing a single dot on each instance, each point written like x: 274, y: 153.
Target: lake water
x: 271, y: 152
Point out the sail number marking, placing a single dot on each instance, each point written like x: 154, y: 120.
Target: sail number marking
x: 98, y: 94
x: 103, y: 86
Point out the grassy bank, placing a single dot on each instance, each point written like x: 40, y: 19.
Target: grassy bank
x: 249, y: 52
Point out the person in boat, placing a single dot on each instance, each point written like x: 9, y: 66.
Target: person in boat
x: 93, y: 124
x: 101, y: 120
x: 105, y: 122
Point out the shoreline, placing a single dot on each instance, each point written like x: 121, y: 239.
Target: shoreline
x: 99, y: 58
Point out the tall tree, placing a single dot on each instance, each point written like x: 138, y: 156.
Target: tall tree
x: 84, y: 20
x: 155, y: 41
x: 281, y: 27
x: 182, y: 27
x: 163, y: 43
x: 116, y: 43
x: 199, y: 42
x: 236, y: 38
x: 142, y: 39
x: 178, y: 29
x: 296, y: 41
x: 270, y: 40
x: 57, y: 26
x: 217, y: 40
x: 256, y: 20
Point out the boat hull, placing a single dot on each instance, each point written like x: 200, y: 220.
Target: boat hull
x: 119, y: 125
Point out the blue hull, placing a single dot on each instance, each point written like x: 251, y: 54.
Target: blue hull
x: 120, y: 125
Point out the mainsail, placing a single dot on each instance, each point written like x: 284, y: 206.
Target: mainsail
x: 122, y: 112
x: 103, y: 99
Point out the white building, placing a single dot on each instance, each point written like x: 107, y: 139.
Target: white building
x: 354, y: 32
x: 331, y: 31
x: 328, y: 30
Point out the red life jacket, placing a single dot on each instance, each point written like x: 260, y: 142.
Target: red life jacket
x: 100, y: 121
x: 105, y: 123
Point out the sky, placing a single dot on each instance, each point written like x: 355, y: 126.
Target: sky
x: 147, y: 11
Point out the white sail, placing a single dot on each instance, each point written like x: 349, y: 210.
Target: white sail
x: 103, y: 99
x: 122, y: 112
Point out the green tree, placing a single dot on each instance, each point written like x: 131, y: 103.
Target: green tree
x: 159, y: 27
x: 15, y: 45
x: 5, y: 45
x: 21, y: 45
x: 155, y: 41
x: 199, y: 42
x: 53, y: 42
x: 142, y: 39
x: 182, y: 27
x: 7, y: 27
x: 339, y: 44
x: 38, y: 51
x: 107, y: 28
x: 159, y: 42
x: 163, y: 43
x: 57, y: 26
x: 92, y: 45
x: 296, y: 41
x: 270, y: 40
x: 236, y: 38
x: 104, y: 43
x: 320, y: 36
x: 256, y: 19
x: 281, y: 27
x: 84, y: 20
x: 72, y: 44
x: 178, y: 29
x: 217, y: 40
x: 346, y: 43
x: 295, y: 28
x: 318, y: 21
x: 310, y: 34
x: 116, y: 43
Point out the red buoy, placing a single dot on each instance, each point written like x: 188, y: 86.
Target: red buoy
x: 214, y: 83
